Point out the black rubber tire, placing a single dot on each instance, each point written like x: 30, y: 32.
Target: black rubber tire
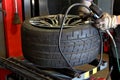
x: 80, y: 45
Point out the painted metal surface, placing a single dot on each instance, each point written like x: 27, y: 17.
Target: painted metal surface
x: 33, y: 8
x: 12, y: 31
x: 105, y: 5
x: 26, y: 9
x: 4, y: 73
x: 2, y: 38
x: 86, y: 75
x: 43, y: 7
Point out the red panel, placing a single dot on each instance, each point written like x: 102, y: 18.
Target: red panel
x: 4, y: 73
x: 93, y: 78
x: 12, y: 31
x: 106, y: 46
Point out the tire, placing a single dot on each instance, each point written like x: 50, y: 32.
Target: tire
x: 80, y: 45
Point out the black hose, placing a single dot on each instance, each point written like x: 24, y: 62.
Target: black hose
x: 61, y: 29
x: 101, y: 48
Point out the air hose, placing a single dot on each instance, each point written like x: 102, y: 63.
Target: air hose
x: 61, y: 29
x: 60, y: 35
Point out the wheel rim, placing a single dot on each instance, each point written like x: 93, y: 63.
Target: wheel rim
x: 54, y: 21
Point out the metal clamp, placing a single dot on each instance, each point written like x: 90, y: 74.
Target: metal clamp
x: 86, y: 75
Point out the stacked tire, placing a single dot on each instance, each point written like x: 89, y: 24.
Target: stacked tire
x: 80, y: 44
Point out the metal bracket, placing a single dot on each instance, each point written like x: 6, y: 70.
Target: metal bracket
x: 20, y: 68
x: 87, y: 74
